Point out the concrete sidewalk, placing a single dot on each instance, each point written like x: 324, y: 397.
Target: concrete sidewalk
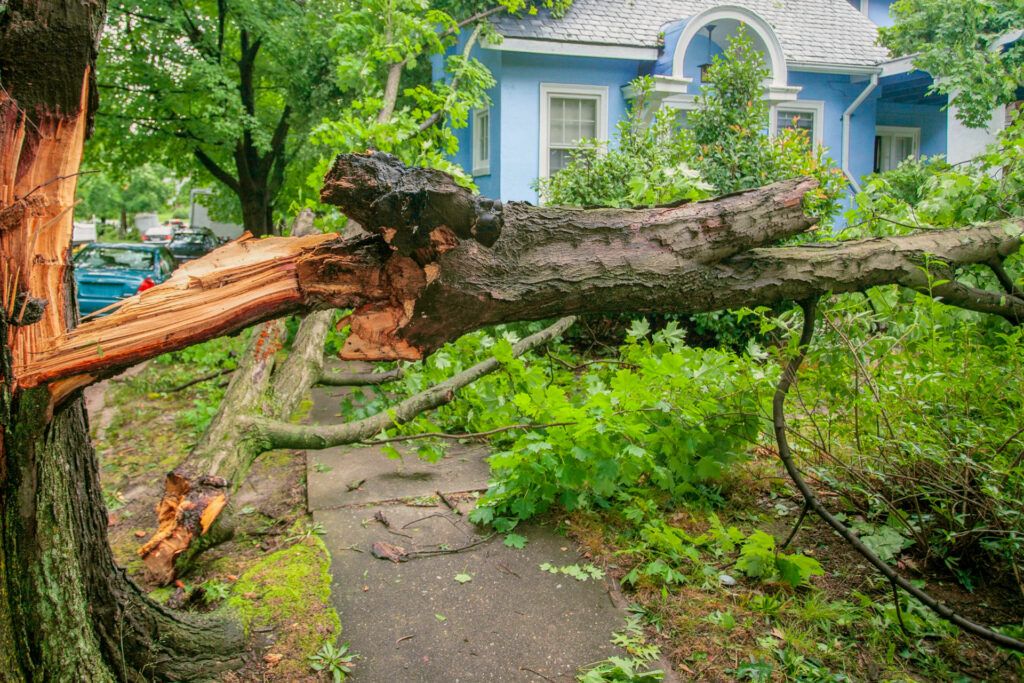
x: 503, y: 619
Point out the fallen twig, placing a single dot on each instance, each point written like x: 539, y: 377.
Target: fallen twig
x: 199, y: 380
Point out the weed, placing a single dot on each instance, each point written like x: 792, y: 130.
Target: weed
x: 335, y: 660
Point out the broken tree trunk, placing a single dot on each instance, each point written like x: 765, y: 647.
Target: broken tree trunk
x: 194, y: 513
x: 440, y: 262
x: 66, y: 611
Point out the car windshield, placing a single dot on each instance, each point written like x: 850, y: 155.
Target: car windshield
x: 115, y: 257
x: 189, y: 238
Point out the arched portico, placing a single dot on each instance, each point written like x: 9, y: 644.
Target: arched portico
x: 726, y: 20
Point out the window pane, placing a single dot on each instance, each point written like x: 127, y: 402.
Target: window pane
x: 903, y: 147
x: 483, y: 137
x: 588, y: 119
x: 558, y: 159
x: 884, y: 152
x: 803, y: 120
x: 571, y: 118
x: 557, y: 116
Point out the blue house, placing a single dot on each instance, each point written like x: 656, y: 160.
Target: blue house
x: 560, y: 80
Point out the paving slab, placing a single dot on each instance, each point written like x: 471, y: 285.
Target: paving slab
x: 337, y: 477
x: 412, y: 621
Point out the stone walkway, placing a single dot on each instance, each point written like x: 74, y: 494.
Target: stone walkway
x: 503, y: 620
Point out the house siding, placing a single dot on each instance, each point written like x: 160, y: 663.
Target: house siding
x: 930, y: 119
x: 520, y: 80
x: 490, y: 183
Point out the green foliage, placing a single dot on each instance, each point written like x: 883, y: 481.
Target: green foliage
x: 630, y: 669
x: 665, y: 415
x: 728, y: 134
x: 515, y: 541
x: 215, y: 591
x: 759, y: 558
x: 334, y: 660
x: 578, y: 572
x: 929, y: 193
x: 726, y: 148
x: 958, y: 42
x: 197, y: 361
x: 147, y: 188
x: 646, y: 167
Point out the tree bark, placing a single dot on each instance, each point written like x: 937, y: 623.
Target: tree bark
x: 66, y: 611
x: 440, y: 262
x: 194, y: 513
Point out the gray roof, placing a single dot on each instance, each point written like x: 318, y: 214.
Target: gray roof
x: 811, y: 31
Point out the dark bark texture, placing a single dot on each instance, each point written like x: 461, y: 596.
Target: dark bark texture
x: 439, y: 262
x: 67, y: 613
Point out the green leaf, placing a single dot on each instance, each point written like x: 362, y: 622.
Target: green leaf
x: 797, y: 569
x: 463, y: 578
x: 515, y: 541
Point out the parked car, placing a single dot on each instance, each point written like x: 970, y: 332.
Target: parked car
x: 192, y: 243
x: 160, y: 234
x: 164, y: 233
x: 107, y: 273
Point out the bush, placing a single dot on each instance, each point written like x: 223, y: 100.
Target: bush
x: 646, y: 167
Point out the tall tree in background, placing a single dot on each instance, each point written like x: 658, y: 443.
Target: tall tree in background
x: 226, y: 88
x: 971, y: 47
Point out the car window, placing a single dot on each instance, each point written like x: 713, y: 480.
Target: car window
x: 167, y: 263
x: 190, y: 238
x: 115, y: 257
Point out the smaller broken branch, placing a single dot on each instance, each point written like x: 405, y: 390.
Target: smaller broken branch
x: 468, y: 435
x: 199, y: 380
x: 359, y: 379
x: 813, y: 502
x: 278, y: 434
x: 1005, y: 280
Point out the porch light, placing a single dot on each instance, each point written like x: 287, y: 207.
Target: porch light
x: 707, y: 65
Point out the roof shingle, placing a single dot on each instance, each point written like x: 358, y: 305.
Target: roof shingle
x: 811, y: 31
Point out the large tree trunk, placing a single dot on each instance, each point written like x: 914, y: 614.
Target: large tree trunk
x: 66, y: 611
x: 440, y: 262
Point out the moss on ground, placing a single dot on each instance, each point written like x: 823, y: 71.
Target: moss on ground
x: 289, y: 591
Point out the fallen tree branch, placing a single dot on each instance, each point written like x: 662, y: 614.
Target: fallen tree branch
x: 812, y: 501
x: 440, y: 262
x: 274, y: 434
x: 460, y: 437
x: 359, y: 379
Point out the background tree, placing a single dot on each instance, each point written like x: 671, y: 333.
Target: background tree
x: 148, y: 188
x: 964, y: 45
x: 226, y: 89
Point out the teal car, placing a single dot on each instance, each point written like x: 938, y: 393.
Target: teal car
x: 107, y: 273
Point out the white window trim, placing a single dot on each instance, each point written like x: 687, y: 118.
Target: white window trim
x: 547, y: 90
x: 482, y: 166
x: 816, y: 107
x: 903, y: 131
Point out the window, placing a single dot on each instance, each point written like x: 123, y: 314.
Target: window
x: 569, y: 114
x: 894, y: 144
x: 800, y: 115
x: 481, y: 142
